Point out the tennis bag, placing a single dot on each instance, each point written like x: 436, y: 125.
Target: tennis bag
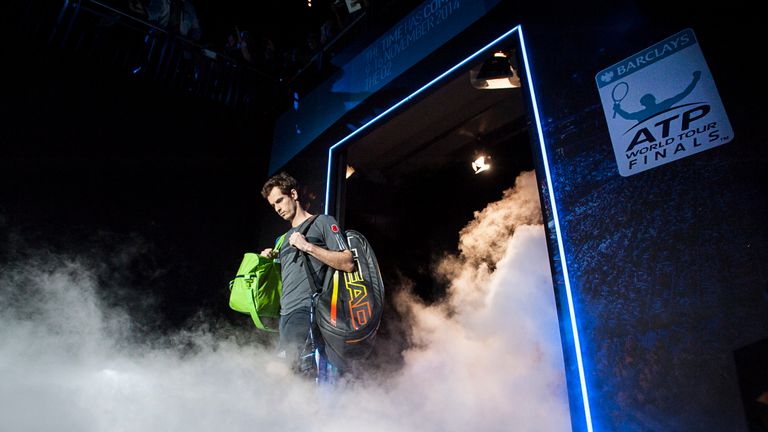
x: 349, y: 308
x: 257, y: 287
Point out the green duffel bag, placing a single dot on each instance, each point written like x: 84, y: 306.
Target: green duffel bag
x: 257, y: 287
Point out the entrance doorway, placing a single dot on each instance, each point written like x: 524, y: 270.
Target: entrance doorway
x: 412, y: 179
x: 409, y: 183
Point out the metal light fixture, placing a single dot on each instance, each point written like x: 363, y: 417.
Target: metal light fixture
x: 481, y: 164
x: 495, y: 73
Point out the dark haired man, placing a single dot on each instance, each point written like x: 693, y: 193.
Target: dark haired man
x: 325, y: 245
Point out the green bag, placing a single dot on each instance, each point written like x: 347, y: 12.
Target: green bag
x: 257, y: 287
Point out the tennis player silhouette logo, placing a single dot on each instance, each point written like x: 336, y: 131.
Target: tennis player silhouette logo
x: 652, y: 107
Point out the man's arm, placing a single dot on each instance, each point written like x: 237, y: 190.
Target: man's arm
x: 340, y: 260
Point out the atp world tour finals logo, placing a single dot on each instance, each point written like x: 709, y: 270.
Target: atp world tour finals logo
x: 662, y: 105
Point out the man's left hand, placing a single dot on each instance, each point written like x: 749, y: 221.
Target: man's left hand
x: 299, y: 242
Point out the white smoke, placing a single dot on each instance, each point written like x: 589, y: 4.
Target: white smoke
x: 489, y: 357
x: 486, y: 359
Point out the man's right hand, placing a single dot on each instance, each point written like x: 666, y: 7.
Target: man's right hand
x: 268, y: 252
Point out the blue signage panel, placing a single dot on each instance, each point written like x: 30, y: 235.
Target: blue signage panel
x: 425, y: 29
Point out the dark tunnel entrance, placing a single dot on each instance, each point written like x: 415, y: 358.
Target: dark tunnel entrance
x: 410, y: 185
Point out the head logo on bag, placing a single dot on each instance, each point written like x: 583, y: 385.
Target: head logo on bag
x: 359, y: 304
x: 350, y: 307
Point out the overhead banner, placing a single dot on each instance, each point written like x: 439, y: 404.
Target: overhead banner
x: 662, y: 105
x: 425, y: 29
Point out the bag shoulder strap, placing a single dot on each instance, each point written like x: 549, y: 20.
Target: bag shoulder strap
x: 304, y: 230
x: 279, y: 243
x: 310, y: 277
x: 309, y: 223
x: 307, y: 265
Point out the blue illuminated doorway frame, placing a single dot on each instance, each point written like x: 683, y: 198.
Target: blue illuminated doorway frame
x: 584, y: 421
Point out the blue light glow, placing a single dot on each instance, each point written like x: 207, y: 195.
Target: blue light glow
x: 561, y: 249
x: 397, y: 105
x: 539, y: 131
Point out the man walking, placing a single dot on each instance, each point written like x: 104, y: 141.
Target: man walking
x: 325, y: 247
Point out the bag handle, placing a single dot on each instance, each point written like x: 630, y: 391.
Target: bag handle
x: 279, y: 243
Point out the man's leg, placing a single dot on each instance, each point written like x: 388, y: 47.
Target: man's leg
x: 294, y: 329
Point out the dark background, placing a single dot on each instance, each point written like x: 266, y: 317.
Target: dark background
x: 93, y: 163
x: 151, y: 178
x: 155, y: 186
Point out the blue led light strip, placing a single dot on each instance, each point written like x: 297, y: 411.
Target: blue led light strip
x: 571, y: 310
x: 397, y: 105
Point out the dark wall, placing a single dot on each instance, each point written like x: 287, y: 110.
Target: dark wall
x: 666, y: 266
x: 153, y: 185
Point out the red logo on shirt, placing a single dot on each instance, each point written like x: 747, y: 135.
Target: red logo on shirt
x: 334, y: 228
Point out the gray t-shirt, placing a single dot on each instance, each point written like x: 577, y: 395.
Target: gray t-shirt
x: 324, y: 232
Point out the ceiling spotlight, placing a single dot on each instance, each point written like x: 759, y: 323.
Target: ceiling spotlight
x: 350, y: 171
x: 480, y: 164
x: 495, y: 73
